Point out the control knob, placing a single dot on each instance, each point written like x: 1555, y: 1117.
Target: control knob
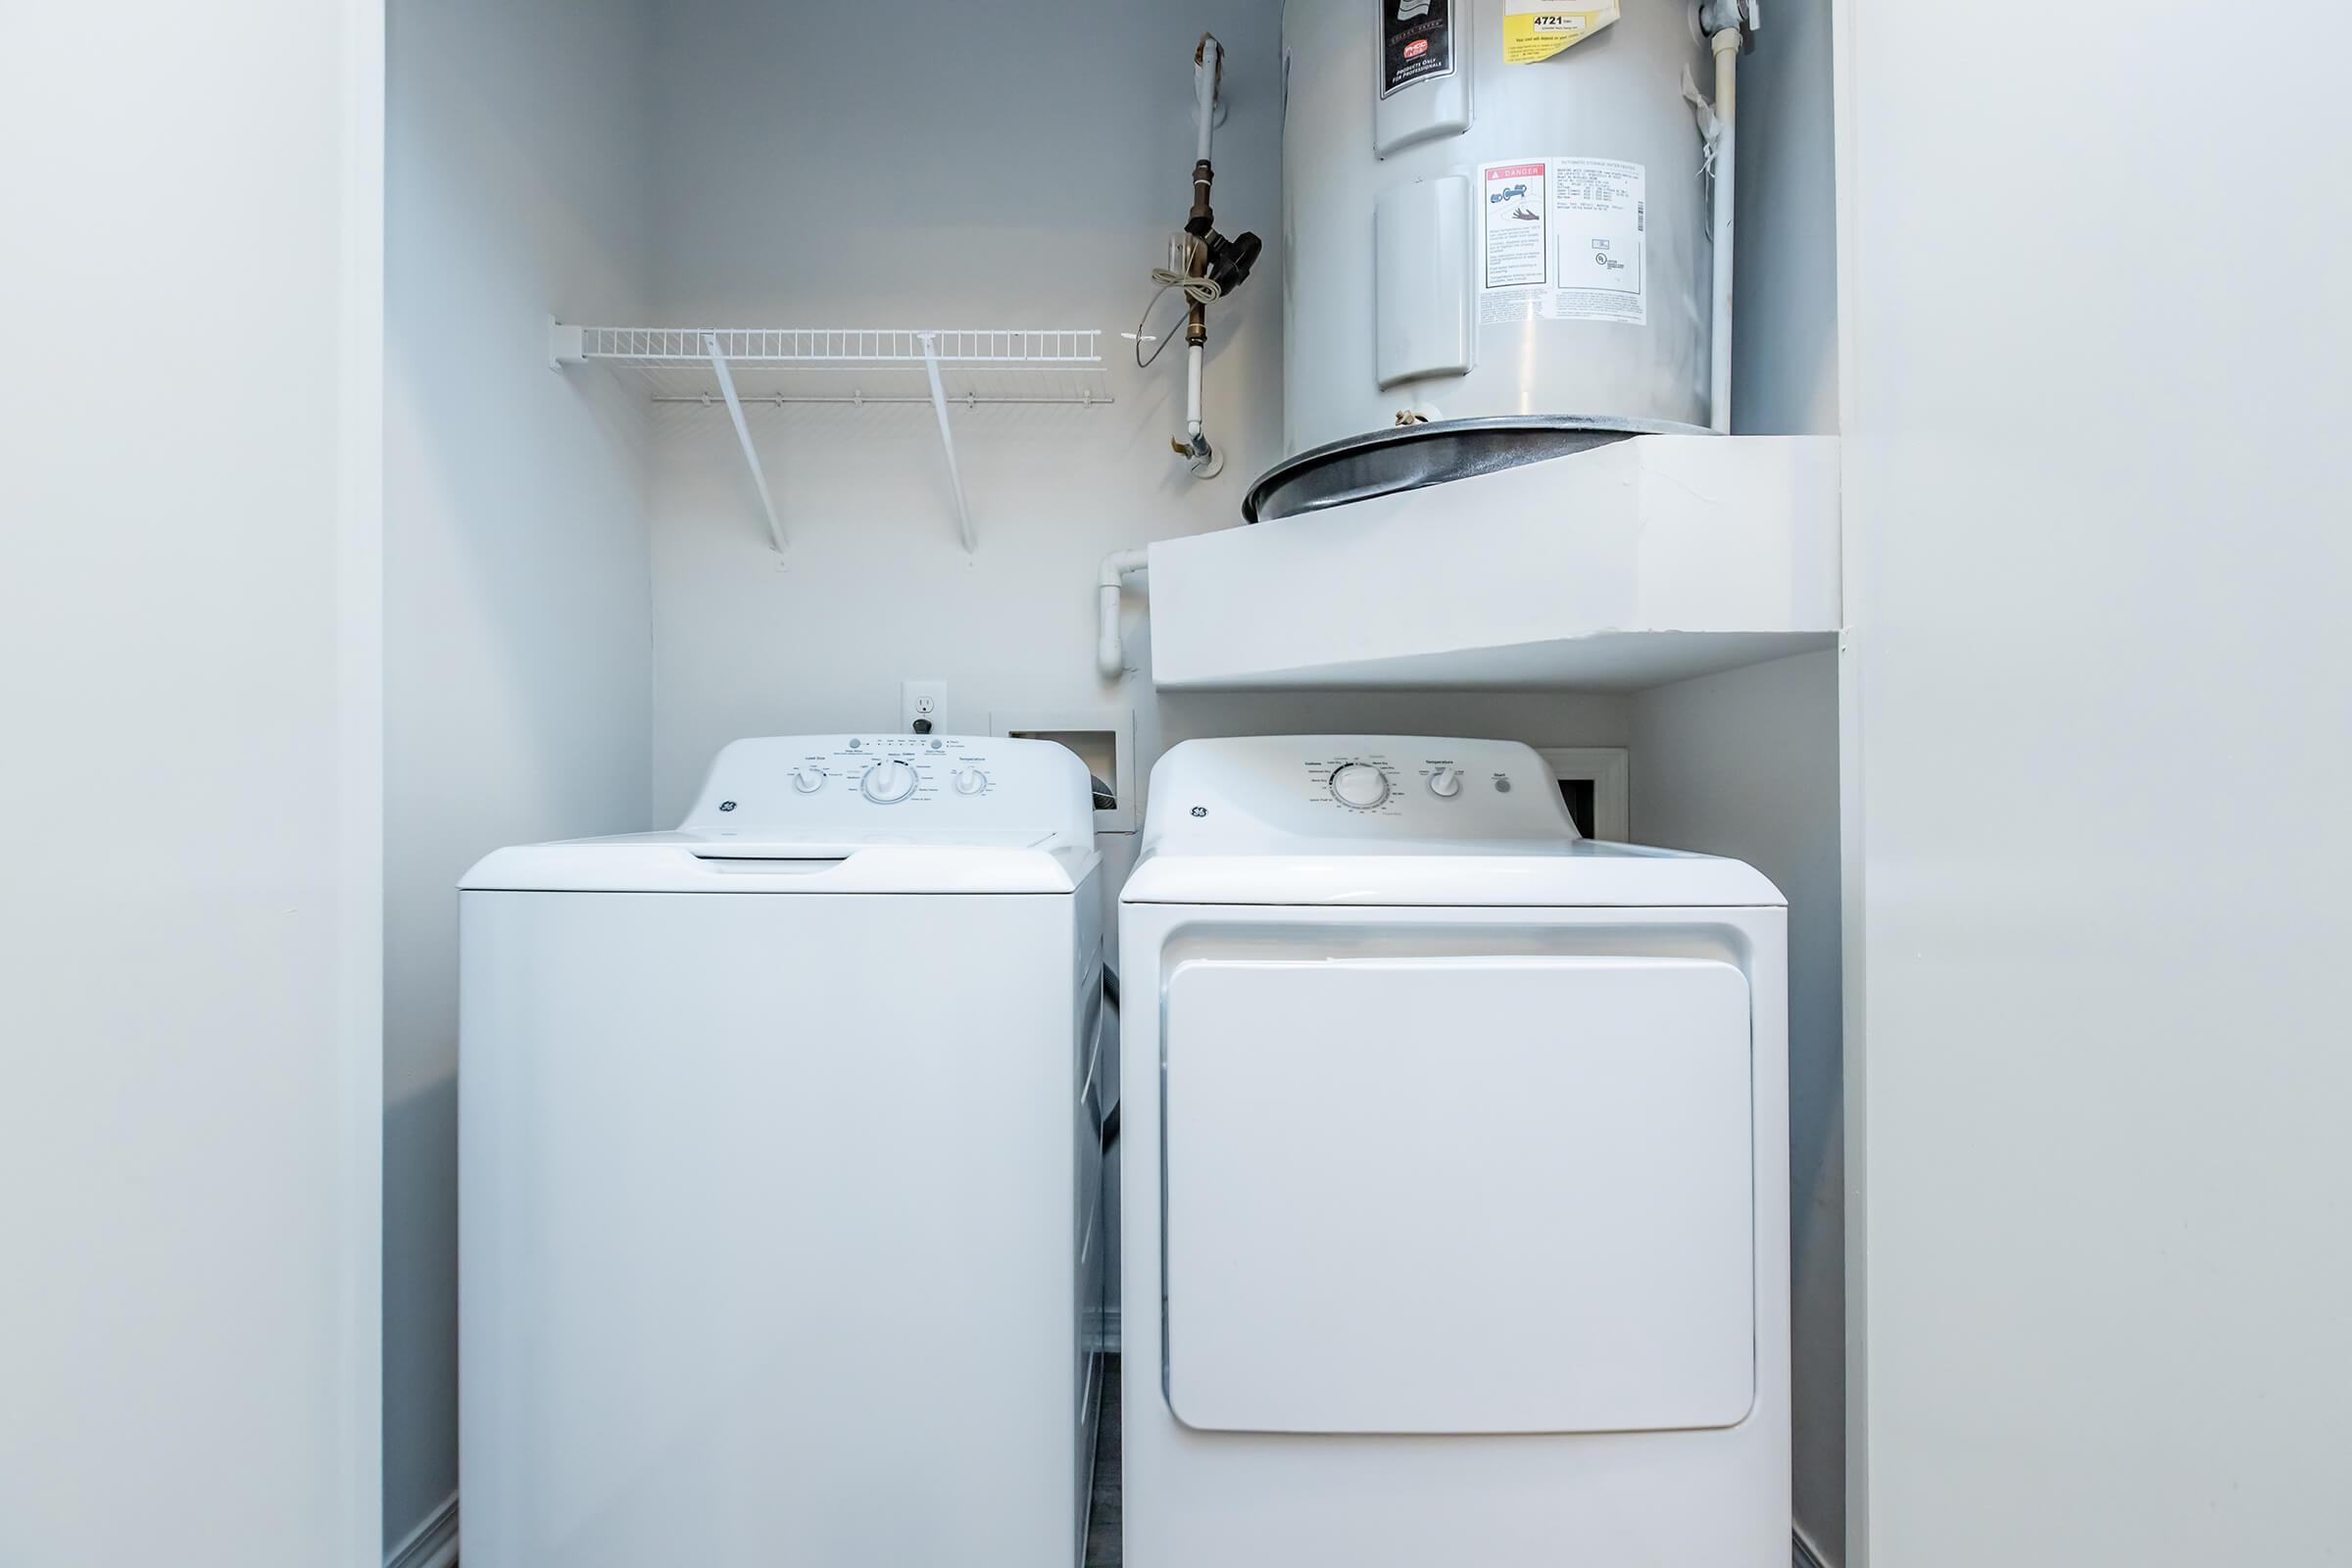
x: 970, y: 781
x: 1359, y: 785
x: 808, y: 780
x: 885, y: 783
x: 1446, y: 783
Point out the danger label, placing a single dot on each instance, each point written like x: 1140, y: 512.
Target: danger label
x: 1565, y: 239
x: 1517, y: 224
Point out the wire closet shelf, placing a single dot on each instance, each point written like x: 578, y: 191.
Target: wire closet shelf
x: 781, y: 367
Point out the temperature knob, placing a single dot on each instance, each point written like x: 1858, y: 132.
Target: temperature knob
x: 1360, y: 785
x: 808, y: 780
x: 970, y: 781
x: 888, y: 783
x: 1446, y: 783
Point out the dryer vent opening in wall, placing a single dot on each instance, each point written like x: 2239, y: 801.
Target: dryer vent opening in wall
x: 1103, y: 739
x: 1595, y: 784
x: 1577, y: 794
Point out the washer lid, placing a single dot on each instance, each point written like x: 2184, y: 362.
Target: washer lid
x: 698, y: 861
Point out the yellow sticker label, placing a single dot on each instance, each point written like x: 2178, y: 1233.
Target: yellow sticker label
x: 1533, y: 32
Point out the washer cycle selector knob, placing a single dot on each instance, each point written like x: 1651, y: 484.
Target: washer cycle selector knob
x: 1360, y: 785
x: 970, y: 781
x: 888, y: 782
x: 1446, y: 783
x: 808, y: 780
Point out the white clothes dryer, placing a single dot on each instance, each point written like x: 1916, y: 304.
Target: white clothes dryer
x: 779, y: 1170
x: 1455, y: 1217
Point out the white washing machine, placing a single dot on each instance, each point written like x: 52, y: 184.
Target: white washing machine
x: 779, y: 1170
x: 1455, y: 1160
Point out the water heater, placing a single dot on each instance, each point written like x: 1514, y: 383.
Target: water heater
x: 1497, y: 233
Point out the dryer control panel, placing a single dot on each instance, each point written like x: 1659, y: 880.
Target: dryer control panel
x: 974, y: 788
x: 1362, y: 794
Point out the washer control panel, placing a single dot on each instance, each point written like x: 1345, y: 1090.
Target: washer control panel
x: 933, y: 784
x: 1250, y: 793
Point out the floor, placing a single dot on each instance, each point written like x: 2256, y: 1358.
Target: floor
x: 1102, y: 1523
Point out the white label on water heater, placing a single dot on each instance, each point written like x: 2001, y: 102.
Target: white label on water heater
x: 1562, y: 239
x: 1516, y: 206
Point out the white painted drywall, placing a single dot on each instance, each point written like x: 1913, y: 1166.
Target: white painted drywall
x: 939, y: 164
x: 516, y: 591
x: 2095, y: 505
x: 189, y: 924
x: 1745, y: 764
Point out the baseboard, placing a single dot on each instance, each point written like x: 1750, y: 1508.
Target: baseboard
x: 432, y: 1543
x: 1801, y: 1553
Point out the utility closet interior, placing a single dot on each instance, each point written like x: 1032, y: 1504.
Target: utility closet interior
x: 1172, y: 783
x: 749, y: 361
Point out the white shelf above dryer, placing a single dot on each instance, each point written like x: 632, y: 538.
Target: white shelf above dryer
x: 783, y: 367
x: 1629, y: 565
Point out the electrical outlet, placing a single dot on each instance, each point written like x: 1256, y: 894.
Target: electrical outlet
x: 920, y: 704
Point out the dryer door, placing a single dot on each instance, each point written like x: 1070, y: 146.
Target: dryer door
x: 1458, y: 1195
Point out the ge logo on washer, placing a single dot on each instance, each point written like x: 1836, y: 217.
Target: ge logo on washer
x: 1199, y: 810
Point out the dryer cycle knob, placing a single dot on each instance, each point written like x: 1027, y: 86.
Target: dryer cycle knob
x: 887, y: 783
x: 1446, y: 783
x: 970, y: 781
x: 808, y: 780
x: 1359, y: 785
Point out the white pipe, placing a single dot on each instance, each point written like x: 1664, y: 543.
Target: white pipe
x: 1725, y: 47
x: 1207, y: 461
x: 1193, y: 355
x: 1110, y: 656
x: 1206, y: 63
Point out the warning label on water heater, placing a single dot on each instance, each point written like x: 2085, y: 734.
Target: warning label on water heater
x: 1515, y: 226
x: 1562, y: 239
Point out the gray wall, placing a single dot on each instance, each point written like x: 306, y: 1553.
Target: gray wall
x: 1785, y: 364
x: 516, y: 591
x: 189, y: 630
x: 949, y: 165
x: 1745, y: 764
x: 2097, y: 575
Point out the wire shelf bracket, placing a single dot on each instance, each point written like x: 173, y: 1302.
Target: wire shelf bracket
x: 946, y: 441
x: 782, y: 367
x: 743, y: 433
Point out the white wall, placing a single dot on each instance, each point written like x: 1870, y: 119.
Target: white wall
x: 2098, y: 568
x: 516, y: 591
x: 189, y: 962
x: 1745, y: 764
x: 941, y: 163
